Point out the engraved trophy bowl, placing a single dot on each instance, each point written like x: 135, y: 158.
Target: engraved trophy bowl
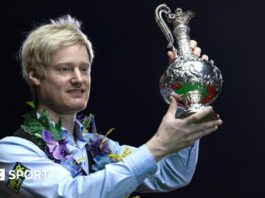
x: 196, y: 82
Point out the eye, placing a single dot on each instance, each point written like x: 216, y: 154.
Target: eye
x: 85, y: 68
x: 64, y: 69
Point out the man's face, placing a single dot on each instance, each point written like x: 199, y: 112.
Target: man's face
x: 65, y: 87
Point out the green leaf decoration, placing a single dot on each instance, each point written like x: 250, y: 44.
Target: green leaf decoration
x: 31, y: 124
x: 34, y: 125
x: 32, y: 104
x: 86, y: 122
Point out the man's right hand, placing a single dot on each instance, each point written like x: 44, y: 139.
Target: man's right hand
x: 175, y: 134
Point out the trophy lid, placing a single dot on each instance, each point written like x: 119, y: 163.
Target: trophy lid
x: 181, y: 17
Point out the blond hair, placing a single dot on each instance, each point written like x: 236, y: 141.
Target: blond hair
x: 46, y: 39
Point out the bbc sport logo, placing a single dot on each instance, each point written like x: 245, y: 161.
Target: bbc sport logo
x: 28, y: 174
x: 2, y: 174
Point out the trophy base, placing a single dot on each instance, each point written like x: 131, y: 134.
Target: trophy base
x: 181, y: 114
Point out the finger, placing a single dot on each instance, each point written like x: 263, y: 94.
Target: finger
x: 172, y: 109
x: 197, y: 116
x: 197, y: 51
x: 200, y: 134
x: 205, y: 125
x: 205, y: 57
x: 193, y: 44
x: 172, y: 56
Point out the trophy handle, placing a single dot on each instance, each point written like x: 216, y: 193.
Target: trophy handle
x: 163, y: 8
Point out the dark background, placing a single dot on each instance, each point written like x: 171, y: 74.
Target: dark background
x: 130, y: 57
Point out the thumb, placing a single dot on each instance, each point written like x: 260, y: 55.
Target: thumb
x: 172, y: 109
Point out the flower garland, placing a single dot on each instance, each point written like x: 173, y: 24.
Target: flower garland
x: 51, y: 138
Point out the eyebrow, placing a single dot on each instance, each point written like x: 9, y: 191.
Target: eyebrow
x: 71, y: 64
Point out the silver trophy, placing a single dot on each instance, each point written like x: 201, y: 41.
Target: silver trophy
x: 196, y: 82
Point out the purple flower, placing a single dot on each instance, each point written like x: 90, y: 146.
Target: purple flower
x: 53, y: 147
x: 96, y: 147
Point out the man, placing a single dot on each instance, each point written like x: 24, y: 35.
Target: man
x: 56, y: 61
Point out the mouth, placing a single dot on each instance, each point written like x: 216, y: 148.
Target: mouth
x: 76, y: 93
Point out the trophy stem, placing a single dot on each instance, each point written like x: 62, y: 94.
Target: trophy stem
x: 183, y: 113
x: 182, y: 34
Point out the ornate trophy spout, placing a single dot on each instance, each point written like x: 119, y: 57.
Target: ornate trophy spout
x: 196, y: 82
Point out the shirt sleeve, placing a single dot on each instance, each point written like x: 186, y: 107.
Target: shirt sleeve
x: 174, y: 171
x: 115, y: 181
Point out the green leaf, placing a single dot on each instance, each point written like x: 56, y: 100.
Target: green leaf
x: 56, y: 130
x: 31, y: 104
x: 86, y: 121
x: 34, y: 125
x: 31, y: 125
x: 38, y: 135
x: 58, y: 125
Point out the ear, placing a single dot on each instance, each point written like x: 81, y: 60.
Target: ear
x: 33, y: 77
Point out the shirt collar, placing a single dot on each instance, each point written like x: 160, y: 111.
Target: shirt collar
x: 81, y: 141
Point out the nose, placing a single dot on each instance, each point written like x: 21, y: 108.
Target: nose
x: 77, y: 76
